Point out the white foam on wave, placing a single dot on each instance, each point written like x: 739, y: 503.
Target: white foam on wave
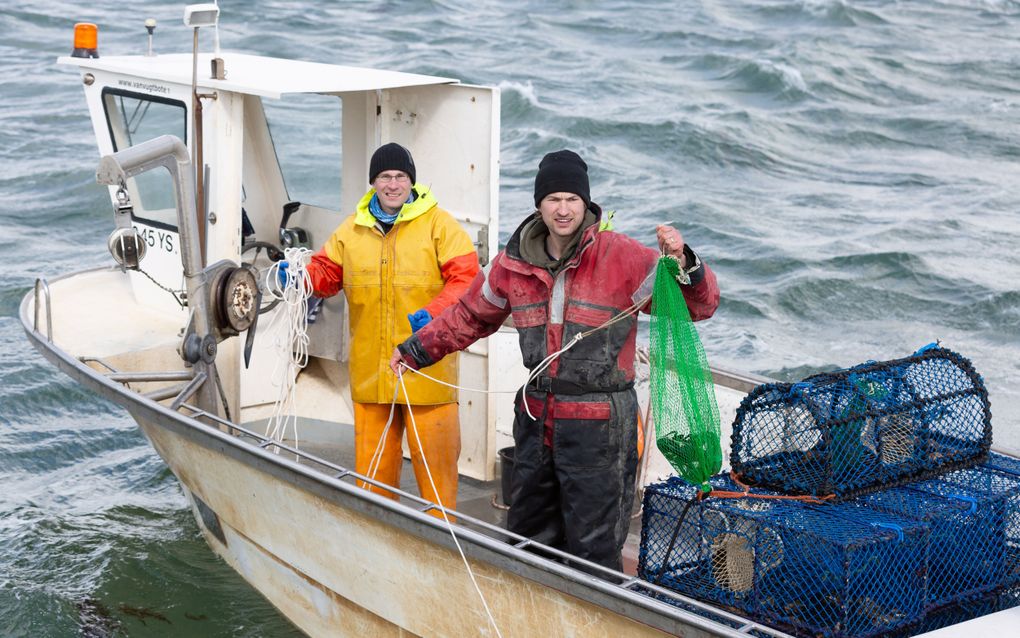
x: 525, y: 89
x: 823, y: 8
x: 790, y: 76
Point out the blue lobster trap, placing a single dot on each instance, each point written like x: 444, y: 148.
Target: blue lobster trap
x: 974, y: 516
x: 875, y: 425
x: 836, y: 570
x: 963, y: 610
x: 1002, y: 463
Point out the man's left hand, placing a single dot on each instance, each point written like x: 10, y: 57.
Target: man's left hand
x: 671, y: 242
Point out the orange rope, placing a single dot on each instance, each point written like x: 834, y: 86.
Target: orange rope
x: 817, y: 500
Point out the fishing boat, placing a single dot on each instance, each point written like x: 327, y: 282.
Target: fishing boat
x: 178, y: 330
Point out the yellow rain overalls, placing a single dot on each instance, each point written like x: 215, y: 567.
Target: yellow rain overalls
x: 426, y: 260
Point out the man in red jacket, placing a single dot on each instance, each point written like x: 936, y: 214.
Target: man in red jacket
x: 559, y: 276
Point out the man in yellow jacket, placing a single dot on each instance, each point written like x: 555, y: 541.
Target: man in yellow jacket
x: 401, y: 260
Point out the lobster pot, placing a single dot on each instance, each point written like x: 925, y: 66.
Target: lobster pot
x: 832, y: 570
x: 857, y: 430
x: 1002, y: 463
x: 964, y: 610
x: 1010, y: 467
x: 974, y: 516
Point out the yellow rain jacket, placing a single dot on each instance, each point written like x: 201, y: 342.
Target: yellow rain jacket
x: 426, y: 260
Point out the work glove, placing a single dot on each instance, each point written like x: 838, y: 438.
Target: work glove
x: 281, y: 273
x: 419, y: 319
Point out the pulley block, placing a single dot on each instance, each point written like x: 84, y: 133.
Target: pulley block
x: 234, y: 298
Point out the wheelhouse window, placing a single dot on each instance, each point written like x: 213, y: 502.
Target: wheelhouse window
x: 134, y: 118
x: 305, y: 129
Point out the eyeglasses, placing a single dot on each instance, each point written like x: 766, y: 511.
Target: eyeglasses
x: 400, y: 178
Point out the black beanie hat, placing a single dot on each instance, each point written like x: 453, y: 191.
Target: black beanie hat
x: 562, y: 172
x: 391, y: 157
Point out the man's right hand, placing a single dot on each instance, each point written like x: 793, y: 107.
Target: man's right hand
x: 395, y: 361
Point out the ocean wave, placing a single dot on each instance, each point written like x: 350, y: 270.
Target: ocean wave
x: 524, y: 90
x: 34, y: 391
x: 832, y: 13
x: 760, y: 76
x: 763, y: 76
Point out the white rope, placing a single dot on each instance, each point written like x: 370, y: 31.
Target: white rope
x: 545, y: 363
x: 373, y: 464
x: 442, y: 508
x: 373, y: 468
x: 541, y: 367
x: 455, y: 386
x: 289, y: 325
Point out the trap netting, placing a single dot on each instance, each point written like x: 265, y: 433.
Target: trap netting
x: 1002, y: 463
x: 962, y: 611
x: 852, y: 431
x: 834, y: 570
x: 974, y: 517
x: 682, y: 391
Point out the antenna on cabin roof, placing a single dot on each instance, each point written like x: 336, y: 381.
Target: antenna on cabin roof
x: 150, y: 26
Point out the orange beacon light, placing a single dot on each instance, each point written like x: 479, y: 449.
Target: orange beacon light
x: 86, y: 38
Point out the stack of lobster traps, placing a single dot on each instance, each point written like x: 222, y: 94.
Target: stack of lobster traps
x: 861, y: 502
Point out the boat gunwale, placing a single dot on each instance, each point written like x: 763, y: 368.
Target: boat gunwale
x: 617, y: 597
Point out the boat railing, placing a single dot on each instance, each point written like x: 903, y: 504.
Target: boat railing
x: 41, y: 283
x: 181, y: 392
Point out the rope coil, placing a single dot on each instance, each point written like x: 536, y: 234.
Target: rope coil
x: 289, y: 326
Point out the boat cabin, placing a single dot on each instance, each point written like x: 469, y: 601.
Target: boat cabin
x: 262, y: 122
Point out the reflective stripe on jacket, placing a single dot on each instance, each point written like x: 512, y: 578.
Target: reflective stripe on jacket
x: 426, y: 260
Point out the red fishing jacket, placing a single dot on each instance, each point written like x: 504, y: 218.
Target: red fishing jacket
x: 608, y: 273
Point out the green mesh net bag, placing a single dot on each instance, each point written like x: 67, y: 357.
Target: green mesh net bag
x: 682, y: 392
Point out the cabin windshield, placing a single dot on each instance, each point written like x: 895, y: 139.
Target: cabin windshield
x: 134, y: 118
x: 305, y: 129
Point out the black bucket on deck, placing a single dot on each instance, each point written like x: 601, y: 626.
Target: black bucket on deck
x: 506, y: 468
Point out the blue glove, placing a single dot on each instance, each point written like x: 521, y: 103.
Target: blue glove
x: 419, y: 319
x: 281, y: 274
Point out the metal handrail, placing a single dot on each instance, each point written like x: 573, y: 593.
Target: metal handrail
x: 99, y: 361
x: 188, y: 376
x: 165, y: 393
x: 41, y: 281
x: 133, y: 377
x: 188, y: 390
